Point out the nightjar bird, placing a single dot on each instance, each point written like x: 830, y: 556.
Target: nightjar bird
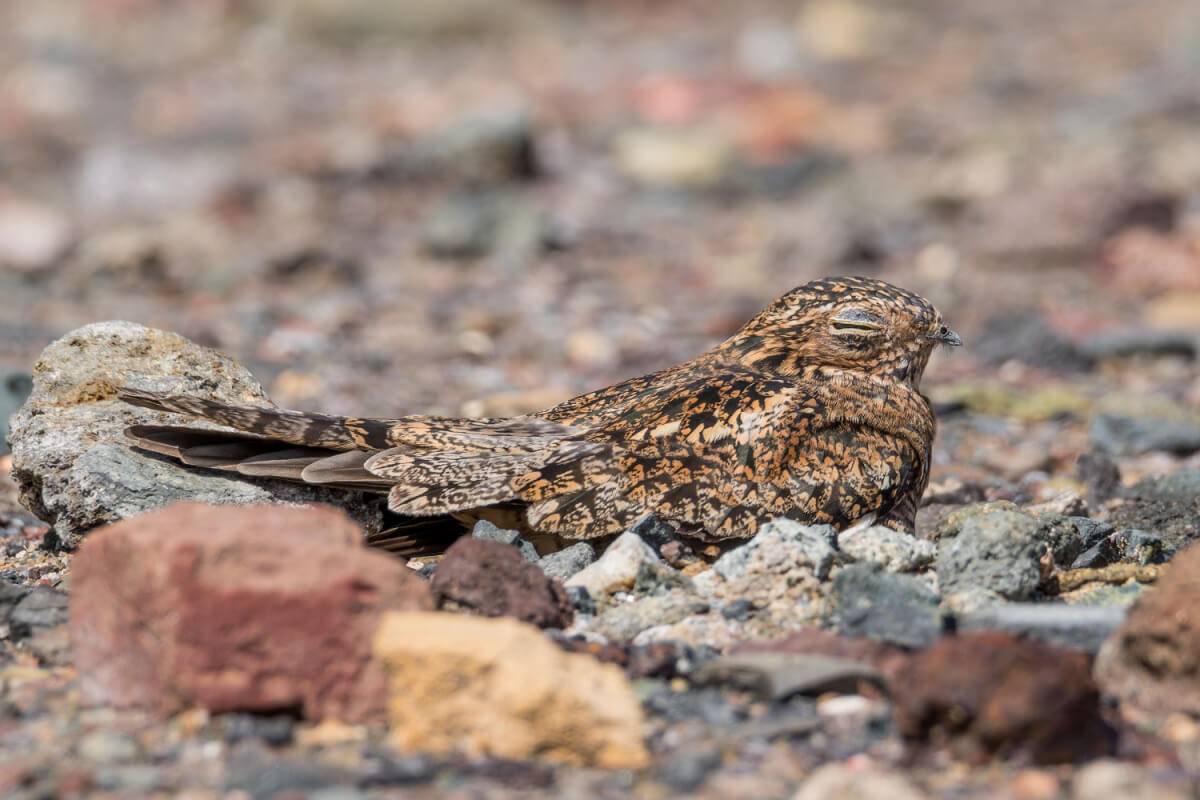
x: 811, y: 411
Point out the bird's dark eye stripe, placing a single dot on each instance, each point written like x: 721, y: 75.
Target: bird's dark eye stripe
x: 854, y: 326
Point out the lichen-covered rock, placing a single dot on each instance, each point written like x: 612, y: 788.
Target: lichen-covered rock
x: 72, y: 462
x: 498, y: 687
x: 261, y: 608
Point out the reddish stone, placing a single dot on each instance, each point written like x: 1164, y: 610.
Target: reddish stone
x: 493, y: 579
x: 1152, y: 663
x: 992, y: 694
x: 253, y: 608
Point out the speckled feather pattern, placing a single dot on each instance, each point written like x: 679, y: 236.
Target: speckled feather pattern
x: 811, y: 411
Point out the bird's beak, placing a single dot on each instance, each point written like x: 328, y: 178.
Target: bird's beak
x: 944, y: 335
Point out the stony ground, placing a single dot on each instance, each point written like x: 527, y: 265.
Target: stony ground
x: 477, y: 208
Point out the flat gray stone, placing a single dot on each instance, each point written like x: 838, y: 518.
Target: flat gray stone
x: 895, y: 551
x: 1083, y: 627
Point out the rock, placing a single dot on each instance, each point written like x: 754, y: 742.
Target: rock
x: 781, y: 544
x: 997, y: 552
x: 260, y: 608
x: 894, y: 550
x: 993, y: 694
x: 656, y: 578
x: 15, y: 387
x: 950, y: 524
x: 566, y: 563
x: 867, y: 601
x: 1063, y: 536
x: 1123, y: 434
x: 1182, y: 486
x: 839, y: 782
x: 624, y: 621
x: 494, y: 580
x: 488, y: 147
x: 687, y: 768
x: 1151, y: 665
x: 42, y: 607
x: 498, y: 687
x: 1066, y: 503
x: 1140, y: 341
x: 1026, y: 336
x: 582, y: 600
x: 71, y: 459
x: 1080, y: 627
x: 654, y: 532
x: 618, y: 568
x: 1100, y: 474
x: 885, y: 658
x: 104, y: 747
x: 775, y: 676
x: 677, y: 158
x: 463, y: 225
x: 488, y: 530
x: 1176, y: 521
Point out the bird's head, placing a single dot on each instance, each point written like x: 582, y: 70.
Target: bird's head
x: 847, y: 323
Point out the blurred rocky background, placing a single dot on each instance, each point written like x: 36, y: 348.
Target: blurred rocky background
x: 482, y: 208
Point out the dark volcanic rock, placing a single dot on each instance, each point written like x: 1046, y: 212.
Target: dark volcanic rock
x: 257, y: 608
x: 1152, y: 664
x: 993, y: 694
x: 495, y: 580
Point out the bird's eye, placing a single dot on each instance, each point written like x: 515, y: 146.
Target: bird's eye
x: 860, y: 327
x: 856, y: 320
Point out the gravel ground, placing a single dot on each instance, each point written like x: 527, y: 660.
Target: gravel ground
x: 473, y: 208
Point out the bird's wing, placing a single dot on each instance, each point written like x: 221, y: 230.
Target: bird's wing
x: 725, y: 452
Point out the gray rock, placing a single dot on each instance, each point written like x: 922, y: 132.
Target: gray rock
x: 1128, y: 435
x: 15, y: 386
x: 655, y: 578
x: 1063, y: 536
x: 1140, y: 341
x: 997, y: 552
x: 43, y: 607
x: 1180, y: 486
x: 1083, y: 627
x: 895, y: 551
x: 462, y: 225
x: 581, y: 598
x: 617, y: 568
x: 778, y: 543
x: 72, y: 462
x: 565, y: 563
x: 487, y: 530
x: 899, y: 609
x: 1100, y: 474
x: 624, y: 621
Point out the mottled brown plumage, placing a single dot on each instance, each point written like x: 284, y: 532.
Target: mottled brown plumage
x: 811, y: 411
